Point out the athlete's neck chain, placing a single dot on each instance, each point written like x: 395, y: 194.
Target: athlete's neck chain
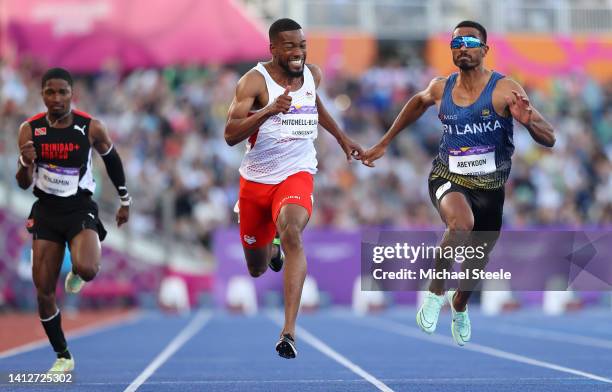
x: 53, y: 123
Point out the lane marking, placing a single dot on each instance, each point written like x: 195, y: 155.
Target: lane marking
x: 404, y: 330
x: 312, y: 340
x: 556, y: 336
x: 194, y: 326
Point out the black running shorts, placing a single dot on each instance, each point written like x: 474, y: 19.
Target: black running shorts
x: 61, y: 224
x: 487, y: 205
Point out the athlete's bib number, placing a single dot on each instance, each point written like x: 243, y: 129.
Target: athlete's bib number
x: 57, y: 180
x: 298, y: 127
x: 301, y: 122
x: 472, y: 161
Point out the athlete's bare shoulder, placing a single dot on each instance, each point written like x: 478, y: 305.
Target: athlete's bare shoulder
x: 25, y: 132
x: 507, y: 84
x: 98, y: 133
x: 436, y: 87
x: 25, y: 126
x: 315, y: 69
x: 316, y: 72
x: 503, y: 89
x: 97, y: 125
x: 251, y: 84
x: 438, y: 82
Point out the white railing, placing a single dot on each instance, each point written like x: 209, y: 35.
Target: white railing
x: 414, y: 19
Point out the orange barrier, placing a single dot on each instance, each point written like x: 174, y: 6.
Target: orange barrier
x: 349, y: 54
x: 535, y: 59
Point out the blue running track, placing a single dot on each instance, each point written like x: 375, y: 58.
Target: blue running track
x: 338, y: 351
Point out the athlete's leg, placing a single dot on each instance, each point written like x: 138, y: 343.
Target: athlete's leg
x: 488, y: 211
x: 454, y: 209
x: 290, y: 223
x: 256, y: 225
x: 456, y: 213
x: 46, y: 264
x: 47, y: 257
x: 486, y: 240
x: 84, y: 233
x: 86, y: 251
x: 257, y: 259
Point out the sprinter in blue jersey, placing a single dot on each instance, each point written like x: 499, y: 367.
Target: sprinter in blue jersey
x: 477, y: 107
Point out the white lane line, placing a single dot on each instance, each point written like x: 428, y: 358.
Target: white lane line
x: 77, y: 333
x: 538, y: 333
x: 331, y: 353
x: 186, y: 333
x: 549, y: 334
x: 401, y: 329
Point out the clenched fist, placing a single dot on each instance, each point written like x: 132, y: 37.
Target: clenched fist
x: 282, y: 103
x: 123, y: 215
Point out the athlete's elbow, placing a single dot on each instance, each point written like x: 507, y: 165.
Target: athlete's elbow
x: 421, y: 103
x: 549, y: 141
x: 229, y: 139
x: 23, y: 184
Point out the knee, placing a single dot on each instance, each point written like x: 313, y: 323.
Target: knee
x: 257, y: 271
x: 87, y: 272
x: 291, y: 237
x: 45, y: 298
x: 457, y: 223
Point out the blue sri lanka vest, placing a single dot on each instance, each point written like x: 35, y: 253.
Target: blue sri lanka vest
x: 476, y: 146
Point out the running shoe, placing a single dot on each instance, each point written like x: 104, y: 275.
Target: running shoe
x: 461, y: 326
x: 427, y: 316
x: 62, y: 365
x: 276, y: 263
x: 73, y: 283
x: 286, y: 347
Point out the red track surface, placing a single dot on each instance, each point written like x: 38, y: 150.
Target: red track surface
x: 17, y: 329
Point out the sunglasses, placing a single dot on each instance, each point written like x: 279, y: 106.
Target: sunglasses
x: 469, y: 42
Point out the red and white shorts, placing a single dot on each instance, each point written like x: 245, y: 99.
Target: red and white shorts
x: 259, y: 205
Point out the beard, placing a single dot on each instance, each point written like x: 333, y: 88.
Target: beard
x: 293, y: 74
x: 466, y: 67
x: 466, y: 64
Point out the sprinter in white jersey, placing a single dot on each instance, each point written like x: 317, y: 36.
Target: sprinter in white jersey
x: 277, y: 109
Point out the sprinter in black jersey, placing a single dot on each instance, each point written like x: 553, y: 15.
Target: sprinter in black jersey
x: 56, y: 156
x: 477, y: 107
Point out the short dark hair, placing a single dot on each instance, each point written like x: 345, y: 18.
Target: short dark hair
x: 281, y: 25
x: 475, y: 25
x: 56, y: 73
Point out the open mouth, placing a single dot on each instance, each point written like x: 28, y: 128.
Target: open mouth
x: 296, y: 63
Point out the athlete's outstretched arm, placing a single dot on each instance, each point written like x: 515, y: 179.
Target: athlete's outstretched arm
x: 104, y: 146
x: 27, y: 156
x: 350, y: 148
x: 239, y: 124
x: 414, y: 108
x: 518, y: 104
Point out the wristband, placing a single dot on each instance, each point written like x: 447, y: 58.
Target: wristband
x: 21, y: 161
x: 126, y: 200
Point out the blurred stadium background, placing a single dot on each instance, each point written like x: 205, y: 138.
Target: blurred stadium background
x: 162, y: 79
